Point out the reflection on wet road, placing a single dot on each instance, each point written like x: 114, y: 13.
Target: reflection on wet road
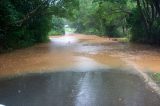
x: 96, y: 88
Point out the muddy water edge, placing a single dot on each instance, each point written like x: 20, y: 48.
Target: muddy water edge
x: 66, y: 52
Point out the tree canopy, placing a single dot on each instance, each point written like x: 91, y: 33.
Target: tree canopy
x: 26, y: 22
x: 137, y: 19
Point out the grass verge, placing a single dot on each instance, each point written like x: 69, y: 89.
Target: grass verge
x: 155, y: 77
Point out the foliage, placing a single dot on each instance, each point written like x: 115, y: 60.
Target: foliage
x: 26, y: 22
x: 106, y: 17
x: 155, y: 77
x: 57, y: 27
x: 145, y: 22
x: 137, y: 19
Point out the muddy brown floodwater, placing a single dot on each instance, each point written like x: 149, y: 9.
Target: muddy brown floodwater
x: 64, y: 52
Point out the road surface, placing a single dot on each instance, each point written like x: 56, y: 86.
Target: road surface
x: 97, y: 88
x: 72, y: 71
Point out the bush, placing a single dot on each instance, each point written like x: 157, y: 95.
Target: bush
x: 34, y: 30
x: 57, y: 26
x: 139, y: 32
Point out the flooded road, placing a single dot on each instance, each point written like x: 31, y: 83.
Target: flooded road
x: 79, y: 70
x: 70, y: 51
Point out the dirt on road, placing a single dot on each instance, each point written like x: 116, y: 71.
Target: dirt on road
x: 76, y: 50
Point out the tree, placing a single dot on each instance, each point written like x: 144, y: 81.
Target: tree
x: 146, y: 15
x: 103, y: 17
x: 26, y: 22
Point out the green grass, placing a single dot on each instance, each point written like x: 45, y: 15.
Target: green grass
x: 123, y: 40
x: 156, y: 77
x: 52, y: 33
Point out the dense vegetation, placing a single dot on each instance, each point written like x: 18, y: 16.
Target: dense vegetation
x: 137, y: 19
x: 26, y: 22
x: 57, y: 26
x: 103, y: 17
x: 144, y: 21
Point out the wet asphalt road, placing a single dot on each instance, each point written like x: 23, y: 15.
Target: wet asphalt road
x: 87, y: 80
x: 94, y: 88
